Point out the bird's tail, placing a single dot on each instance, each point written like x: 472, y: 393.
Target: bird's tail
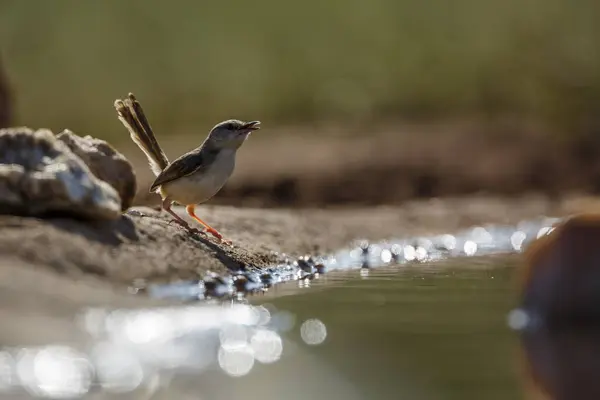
x: 130, y: 113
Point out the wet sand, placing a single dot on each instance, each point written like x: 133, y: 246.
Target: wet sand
x: 51, y: 268
x: 144, y: 245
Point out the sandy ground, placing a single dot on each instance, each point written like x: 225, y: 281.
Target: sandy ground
x: 50, y: 269
x: 143, y: 244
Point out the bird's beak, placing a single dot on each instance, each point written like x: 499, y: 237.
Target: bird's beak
x: 251, y: 126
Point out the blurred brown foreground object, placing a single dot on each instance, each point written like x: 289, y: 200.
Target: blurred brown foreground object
x: 561, y: 292
x: 5, y: 100
x: 562, y: 364
x: 562, y: 273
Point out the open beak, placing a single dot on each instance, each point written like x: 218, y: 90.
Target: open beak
x: 251, y: 126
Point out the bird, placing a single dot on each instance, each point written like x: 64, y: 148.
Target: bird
x: 194, y: 177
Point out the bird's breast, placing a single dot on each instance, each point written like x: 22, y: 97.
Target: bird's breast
x: 202, y: 185
x: 220, y: 170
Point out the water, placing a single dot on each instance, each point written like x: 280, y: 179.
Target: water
x: 418, y: 333
x: 477, y: 241
x: 428, y: 332
x: 416, y: 318
x: 432, y: 331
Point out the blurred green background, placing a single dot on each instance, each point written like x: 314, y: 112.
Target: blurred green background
x: 427, y: 98
x: 194, y: 63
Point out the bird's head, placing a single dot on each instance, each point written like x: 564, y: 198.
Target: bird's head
x: 232, y: 133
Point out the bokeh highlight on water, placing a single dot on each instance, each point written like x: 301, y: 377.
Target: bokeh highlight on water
x: 129, y: 351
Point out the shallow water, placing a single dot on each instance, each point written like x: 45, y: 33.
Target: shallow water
x: 418, y: 332
x: 429, y: 322
x: 413, y: 333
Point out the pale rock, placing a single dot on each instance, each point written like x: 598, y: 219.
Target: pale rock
x: 105, y: 162
x: 40, y: 175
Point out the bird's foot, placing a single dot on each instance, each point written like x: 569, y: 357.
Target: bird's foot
x: 196, y: 231
x: 181, y: 223
x: 186, y: 226
x: 218, y: 236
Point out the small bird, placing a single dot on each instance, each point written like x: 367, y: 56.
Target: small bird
x: 196, y: 176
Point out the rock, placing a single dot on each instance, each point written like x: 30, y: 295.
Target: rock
x: 5, y: 100
x: 105, y: 162
x: 40, y: 175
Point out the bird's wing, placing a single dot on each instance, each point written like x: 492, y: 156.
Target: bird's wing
x: 189, y: 163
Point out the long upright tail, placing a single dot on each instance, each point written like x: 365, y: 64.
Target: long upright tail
x: 130, y: 113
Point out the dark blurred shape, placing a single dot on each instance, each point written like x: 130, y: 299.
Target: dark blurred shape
x: 562, y: 274
x: 5, y: 99
x: 426, y: 185
x: 561, y: 297
x: 562, y: 364
x: 285, y: 190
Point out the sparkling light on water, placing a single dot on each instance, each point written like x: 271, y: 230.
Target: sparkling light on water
x: 148, y: 326
x: 264, y: 315
x: 518, y: 319
x: 409, y: 253
x: 130, y: 348
x: 544, y: 231
x: 55, y: 371
x: 448, y: 241
x: 267, y: 346
x: 517, y: 240
x: 386, y: 256
x: 421, y: 253
x: 470, y: 248
x: 313, y: 332
x: 236, y: 361
x: 117, y: 369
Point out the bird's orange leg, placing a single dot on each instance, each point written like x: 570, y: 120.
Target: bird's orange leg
x: 190, y: 208
x: 166, y: 205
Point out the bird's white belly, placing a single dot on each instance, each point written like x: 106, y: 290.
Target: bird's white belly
x: 200, y: 186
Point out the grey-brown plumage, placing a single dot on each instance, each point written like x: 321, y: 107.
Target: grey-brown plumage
x: 194, y: 161
x: 197, y: 175
x: 132, y: 115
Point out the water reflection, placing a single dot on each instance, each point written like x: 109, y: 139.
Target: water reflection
x: 55, y: 371
x: 130, y: 350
